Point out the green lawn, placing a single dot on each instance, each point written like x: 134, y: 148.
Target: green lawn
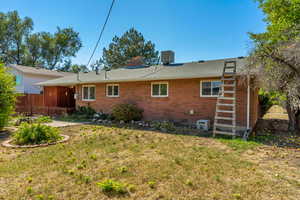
x: 148, y: 165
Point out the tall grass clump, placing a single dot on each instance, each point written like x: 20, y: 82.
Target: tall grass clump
x: 36, y: 134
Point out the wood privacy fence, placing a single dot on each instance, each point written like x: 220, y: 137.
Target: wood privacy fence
x: 30, y: 104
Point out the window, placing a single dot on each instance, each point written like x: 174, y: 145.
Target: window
x: 88, y: 92
x: 18, y: 79
x: 112, y: 90
x: 159, y: 89
x: 210, y: 88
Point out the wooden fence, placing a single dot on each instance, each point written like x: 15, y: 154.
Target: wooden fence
x: 30, y: 104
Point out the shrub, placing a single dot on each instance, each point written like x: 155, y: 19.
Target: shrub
x: 127, y: 112
x: 86, y: 111
x: 35, y: 134
x: 43, y: 119
x: 111, y: 186
x: 268, y: 99
x: 21, y: 120
x: 164, y: 126
x: 7, y: 96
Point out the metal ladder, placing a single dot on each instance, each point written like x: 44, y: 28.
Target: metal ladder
x: 225, y: 115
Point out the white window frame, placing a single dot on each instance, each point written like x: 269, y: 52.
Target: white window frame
x: 202, y: 95
x: 113, y: 85
x: 82, y: 92
x: 160, y: 96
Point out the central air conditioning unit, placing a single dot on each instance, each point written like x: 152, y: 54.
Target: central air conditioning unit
x: 167, y: 57
x: 203, y: 124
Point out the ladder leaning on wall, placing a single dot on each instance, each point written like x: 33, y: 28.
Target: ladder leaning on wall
x: 225, y: 115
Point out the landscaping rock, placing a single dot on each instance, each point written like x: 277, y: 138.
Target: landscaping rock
x: 8, y: 143
x: 28, y: 120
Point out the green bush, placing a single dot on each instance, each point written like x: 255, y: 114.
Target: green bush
x: 7, y: 96
x: 36, y: 134
x: 111, y: 186
x: 43, y: 119
x: 86, y: 111
x: 127, y: 112
x: 268, y: 99
x: 164, y: 126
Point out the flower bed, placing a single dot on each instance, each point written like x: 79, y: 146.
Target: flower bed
x: 9, y: 143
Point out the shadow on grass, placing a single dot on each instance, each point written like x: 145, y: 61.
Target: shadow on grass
x: 4, y: 135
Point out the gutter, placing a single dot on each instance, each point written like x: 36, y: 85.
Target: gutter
x: 210, y: 76
x: 248, y: 102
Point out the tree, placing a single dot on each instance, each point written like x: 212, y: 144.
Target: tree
x: 34, y: 52
x: 65, y: 43
x: 14, y: 31
x: 19, y: 46
x: 129, y: 45
x: 7, y: 96
x: 75, y: 68
x: 276, y: 54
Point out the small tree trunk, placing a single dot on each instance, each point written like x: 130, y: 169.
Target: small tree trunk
x: 294, y: 118
x: 298, y: 123
x: 292, y: 122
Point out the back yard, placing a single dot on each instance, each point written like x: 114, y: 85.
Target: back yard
x: 148, y: 165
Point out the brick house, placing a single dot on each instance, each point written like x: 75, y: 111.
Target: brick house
x: 183, y: 92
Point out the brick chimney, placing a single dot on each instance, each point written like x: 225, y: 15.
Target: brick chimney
x: 136, y: 61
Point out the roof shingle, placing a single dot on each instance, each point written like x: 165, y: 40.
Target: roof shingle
x: 211, y: 68
x: 40, y: 71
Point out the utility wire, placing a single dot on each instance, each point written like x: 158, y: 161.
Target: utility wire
x: 101, y: 33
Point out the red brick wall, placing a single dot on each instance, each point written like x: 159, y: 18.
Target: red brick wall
x: 184, y: 95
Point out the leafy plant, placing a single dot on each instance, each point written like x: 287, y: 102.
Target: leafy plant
x: 111, y: 186
x: 268, y: 99
x: 21, y: 120
x: 123, y: 169
x: 164, y: 126
x: 86, y: 111
x: 7, y: 96
x: 127, y: 112
x: 43, y: 119
x: 152, y: 184
x: 36, y: 134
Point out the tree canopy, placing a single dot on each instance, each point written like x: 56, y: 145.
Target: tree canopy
x: 7, y: 95
x: 75, y: 68
x: 131, y: 44
x: 276, y: 53
x: 18, y: 45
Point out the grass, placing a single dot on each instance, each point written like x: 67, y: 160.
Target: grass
x: 43, y: 119
x: 240, y: 145
x: 117, y: 163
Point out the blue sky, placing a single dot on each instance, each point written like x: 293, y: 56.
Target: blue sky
x: 194, y: 29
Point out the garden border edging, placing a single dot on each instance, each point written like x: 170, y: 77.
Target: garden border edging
x: 8, y: 144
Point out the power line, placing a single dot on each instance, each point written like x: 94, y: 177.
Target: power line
x: 101, y: 33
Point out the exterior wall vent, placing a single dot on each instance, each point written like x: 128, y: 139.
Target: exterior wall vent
x: 167, y: 57
x: 203, y: 124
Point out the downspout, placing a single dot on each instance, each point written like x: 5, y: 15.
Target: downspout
x: 248, y: 102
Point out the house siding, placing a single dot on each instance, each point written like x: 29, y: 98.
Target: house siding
x: 28, y: 81
x: 184, y: 95
x: 20, y: 86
